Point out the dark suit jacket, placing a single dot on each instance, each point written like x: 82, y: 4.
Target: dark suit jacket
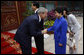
x: 30, y: 27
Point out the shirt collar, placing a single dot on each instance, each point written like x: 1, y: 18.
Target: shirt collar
x: 36, y: 10
x: 39, y: 18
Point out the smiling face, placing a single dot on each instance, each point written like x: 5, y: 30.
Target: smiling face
x: 43, y: 15
x: 64, y: 13
x: 56, y: 14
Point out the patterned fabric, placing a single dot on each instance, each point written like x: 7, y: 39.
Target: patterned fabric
x: 10, y: 46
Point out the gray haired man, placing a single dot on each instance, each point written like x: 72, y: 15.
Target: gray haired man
x: 32, y: 26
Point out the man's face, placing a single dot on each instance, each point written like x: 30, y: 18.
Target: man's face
x: 43, y: 15
x: 33, y: 7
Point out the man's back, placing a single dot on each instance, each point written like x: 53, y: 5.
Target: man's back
x: 28, y: 28
x: 24, y: 27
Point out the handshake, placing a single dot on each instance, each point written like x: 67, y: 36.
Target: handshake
x: 44, y: 31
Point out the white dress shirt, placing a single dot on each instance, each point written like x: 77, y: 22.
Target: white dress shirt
x: 39, y: 18
x: 36, y: 10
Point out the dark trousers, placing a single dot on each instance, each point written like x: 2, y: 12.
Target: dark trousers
x: 27, y: 48
x: 39, y: 41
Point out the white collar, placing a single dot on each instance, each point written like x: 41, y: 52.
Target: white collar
x: 39, y: 18
x: 36, y: 10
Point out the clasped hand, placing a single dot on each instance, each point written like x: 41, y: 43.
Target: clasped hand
x: 44, y: 31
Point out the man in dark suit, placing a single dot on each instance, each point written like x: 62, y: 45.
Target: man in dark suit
x: 32, y: 26
x: 35, y: 6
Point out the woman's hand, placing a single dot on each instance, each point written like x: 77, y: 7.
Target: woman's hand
x: 44, y: 31
x: 74, y: 48
x: 71, y: 33
x: 60, y: 45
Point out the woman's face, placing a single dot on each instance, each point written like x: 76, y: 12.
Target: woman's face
x: 64, y: 13
x: 56, y: 14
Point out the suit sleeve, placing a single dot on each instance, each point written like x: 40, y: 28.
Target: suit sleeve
x: 34, y: 30
x: 63, y: 33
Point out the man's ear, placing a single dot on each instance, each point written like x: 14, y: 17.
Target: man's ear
x: 42, y: 12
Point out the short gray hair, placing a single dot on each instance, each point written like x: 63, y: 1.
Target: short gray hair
x: 41, y: 10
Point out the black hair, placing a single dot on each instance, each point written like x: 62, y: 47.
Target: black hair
x: 59, y: 10
x: 66, y: 9
x: 35, y: 4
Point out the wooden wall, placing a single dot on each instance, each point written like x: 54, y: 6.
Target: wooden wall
x: 11, y: 14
